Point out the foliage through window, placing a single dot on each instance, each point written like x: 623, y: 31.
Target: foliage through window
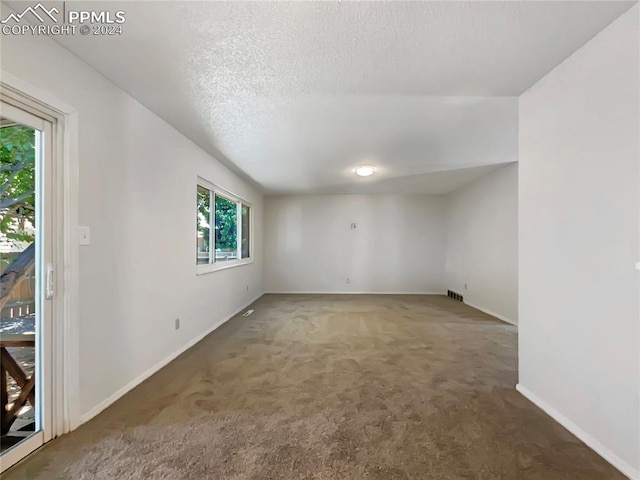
x: 17, y: 189
x: 203, y: 234
x: 246, y: 221
x: 226, y: 229
x: 222, y: 228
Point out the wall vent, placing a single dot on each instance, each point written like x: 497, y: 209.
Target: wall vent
x: 455, y: 295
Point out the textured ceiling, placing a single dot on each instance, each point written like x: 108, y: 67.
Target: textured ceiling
x: 294, y: 95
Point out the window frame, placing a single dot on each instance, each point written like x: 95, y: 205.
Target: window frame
x: 213, y: 266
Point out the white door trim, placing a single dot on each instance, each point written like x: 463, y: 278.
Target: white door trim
x: 66, y: 363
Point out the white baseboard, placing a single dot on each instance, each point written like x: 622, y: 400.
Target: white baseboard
x: 354, y: 293
x: 142, y: 377
x: 493, y: 314
x: 591, y: 442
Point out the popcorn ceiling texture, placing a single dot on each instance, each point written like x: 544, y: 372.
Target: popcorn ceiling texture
x: 295, y: 94
x: 330, y: 387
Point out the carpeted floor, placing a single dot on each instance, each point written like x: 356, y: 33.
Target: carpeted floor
x: 330, y: 387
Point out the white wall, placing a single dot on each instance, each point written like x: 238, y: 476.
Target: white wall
x: 137, y: 193
x: 482, y: 243
x: 397, y: 246
x: 578, y: 229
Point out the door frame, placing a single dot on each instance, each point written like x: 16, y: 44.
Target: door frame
x: 65, y: 368
x: 44, y: 256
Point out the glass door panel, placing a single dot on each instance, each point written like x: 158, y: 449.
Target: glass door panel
x: 25, y: 281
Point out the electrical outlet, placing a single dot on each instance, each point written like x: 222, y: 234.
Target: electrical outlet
x: 348, y: 280
x: 177, y: 324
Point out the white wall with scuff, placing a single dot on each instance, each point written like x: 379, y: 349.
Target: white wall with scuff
x: 137, y: 194
x: 397, y: 245
x: 579, y: 190
x: 482, y: 243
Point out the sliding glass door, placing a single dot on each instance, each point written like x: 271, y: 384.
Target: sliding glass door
x: 26, y: 281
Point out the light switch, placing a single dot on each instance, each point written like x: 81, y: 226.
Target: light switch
x: 84, y: 234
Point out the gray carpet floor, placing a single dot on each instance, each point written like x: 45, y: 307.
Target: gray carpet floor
x: 330, y: 387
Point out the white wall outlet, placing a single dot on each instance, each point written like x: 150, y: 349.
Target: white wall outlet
x: 177, y: 324
x: 84, y: 235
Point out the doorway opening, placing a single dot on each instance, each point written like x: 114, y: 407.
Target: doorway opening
x: 27, y: 280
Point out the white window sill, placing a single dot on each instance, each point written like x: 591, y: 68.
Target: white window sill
x: 214, y: 267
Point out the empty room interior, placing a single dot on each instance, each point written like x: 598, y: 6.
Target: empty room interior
x: 320, y: 240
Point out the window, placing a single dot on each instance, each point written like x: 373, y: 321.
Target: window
x: 223, y: 228
x: 203, y: 234
x: 226, y: 229
x: 246, y: 212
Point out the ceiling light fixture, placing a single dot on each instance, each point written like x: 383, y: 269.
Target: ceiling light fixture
x: 364, y: 171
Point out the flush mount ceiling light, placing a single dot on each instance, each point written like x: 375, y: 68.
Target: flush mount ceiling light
x: 364, y: 171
